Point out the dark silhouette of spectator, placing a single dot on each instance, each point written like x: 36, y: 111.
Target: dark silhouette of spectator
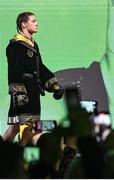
x: 69, y: 153
x: 50, y: 155
x: 108, y: 145
x: 11, y: 158
x: 91, y: 163
x: 41, y: 170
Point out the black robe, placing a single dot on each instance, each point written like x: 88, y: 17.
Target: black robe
x: 22, y: 60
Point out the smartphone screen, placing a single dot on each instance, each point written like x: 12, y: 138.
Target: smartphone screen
x: 73, y: 100
x: 31, y: 153
x: 45, y: 125
x: 90, y: 106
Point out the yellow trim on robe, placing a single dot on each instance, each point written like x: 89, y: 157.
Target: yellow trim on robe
x: 19, y: 37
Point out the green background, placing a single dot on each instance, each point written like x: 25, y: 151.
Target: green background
x: 72, y: 33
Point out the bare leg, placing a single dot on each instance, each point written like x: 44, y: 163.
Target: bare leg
x: 11, y: 132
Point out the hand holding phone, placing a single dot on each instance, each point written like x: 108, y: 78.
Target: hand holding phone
x: 102, y: 118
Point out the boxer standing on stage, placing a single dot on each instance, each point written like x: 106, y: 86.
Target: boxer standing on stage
x: 28, y: 77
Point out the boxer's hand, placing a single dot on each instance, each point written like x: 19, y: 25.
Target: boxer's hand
x: 58, y: 91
